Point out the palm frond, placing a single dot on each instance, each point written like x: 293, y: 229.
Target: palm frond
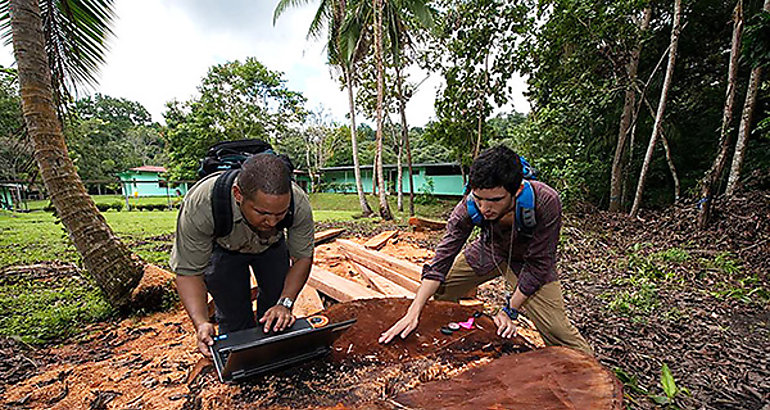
x: 323, y: 16
x: 284, y: 5
x: 76, y: 34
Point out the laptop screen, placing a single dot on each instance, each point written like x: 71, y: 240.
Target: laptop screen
x: 251, y: 351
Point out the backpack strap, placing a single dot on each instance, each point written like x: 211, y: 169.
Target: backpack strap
x: 221, y: 204
x: 525, y: 211
x: 222, y: 207
x: 288, y: 220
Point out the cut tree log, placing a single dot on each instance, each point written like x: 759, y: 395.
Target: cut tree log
x: 378, y: 241
x: 390, y: 274
x: 339, y: 288
x: 308, y: 302
x: 382, y: 284
x: 367, y: 257
x: 423, y: 223
x: 550, y: 378
x: 327, y: 235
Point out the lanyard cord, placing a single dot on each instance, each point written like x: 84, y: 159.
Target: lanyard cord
x: 492, y: 250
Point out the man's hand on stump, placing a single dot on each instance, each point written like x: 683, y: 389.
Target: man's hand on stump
x: 505, y: 326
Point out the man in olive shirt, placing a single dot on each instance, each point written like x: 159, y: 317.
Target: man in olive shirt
x: 525, y: 256
x: 264, y: 200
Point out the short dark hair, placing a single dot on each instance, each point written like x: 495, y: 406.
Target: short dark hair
x: 494, y: 167
x: 265, y: 172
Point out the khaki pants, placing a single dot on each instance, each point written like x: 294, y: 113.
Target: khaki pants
x: 545, y: 307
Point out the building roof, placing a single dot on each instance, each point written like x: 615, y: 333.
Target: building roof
x: 403, y: 165
x: 149, y: 168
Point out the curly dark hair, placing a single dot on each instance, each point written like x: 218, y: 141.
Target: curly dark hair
x: 266, y: 172
x: 494, y: 167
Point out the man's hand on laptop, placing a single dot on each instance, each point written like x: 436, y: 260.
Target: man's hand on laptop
x: 278, y: 317
x: 204, y: 333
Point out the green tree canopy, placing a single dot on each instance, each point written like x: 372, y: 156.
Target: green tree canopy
x: 237, y: 101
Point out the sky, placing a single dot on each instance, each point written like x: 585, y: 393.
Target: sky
x: 163, y: 48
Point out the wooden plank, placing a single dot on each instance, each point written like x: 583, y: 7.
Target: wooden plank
x: 378, y: 241
x: 324, y: 236
x: 471, y: 302
x: 339, y: 288
x: 390, y: 274
x: 408, y: 269
x: 382, y: 284
x: 424, y: 223
x: 308, y: 302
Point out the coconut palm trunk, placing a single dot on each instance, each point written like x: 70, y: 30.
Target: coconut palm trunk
x: 657, y: 127
x: 365, y: 209
x: 405, y: 135
x: 378, y: 49
x: 109, y: 261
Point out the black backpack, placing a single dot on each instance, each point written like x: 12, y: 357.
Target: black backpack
x: 228, y: 156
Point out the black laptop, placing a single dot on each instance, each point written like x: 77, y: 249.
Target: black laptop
x: 250, y: 352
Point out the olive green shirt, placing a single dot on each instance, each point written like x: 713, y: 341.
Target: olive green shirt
x: 194, y: 239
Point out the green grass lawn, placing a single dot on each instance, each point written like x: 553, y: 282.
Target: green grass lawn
x: 37, y: 236
x: 39, y: 311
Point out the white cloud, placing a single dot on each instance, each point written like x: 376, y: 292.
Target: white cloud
x: 162, y: 50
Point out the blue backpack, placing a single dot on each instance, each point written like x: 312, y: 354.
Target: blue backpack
x: 525, y: 204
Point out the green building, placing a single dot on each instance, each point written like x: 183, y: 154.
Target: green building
x: 436, y: 179
x: 9, y: 192
x: 147, y: 181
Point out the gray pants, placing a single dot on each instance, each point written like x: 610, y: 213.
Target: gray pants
x: 227, y: 279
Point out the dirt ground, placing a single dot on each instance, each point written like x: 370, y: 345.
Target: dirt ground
x: 716, y: 346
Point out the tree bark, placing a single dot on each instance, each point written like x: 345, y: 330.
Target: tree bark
x: 399, y: 172
x: 405, y: 133
x: 109, y: 261
x: 384, y: 207
x: 626, y: 119
x: 365, y: 209
x: 666, y: 150
x: 656, y: 129
x: 714, y: 174
x: 744, y: 129
x: 671, y: 167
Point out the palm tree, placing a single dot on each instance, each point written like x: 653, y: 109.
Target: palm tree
x: 330, y: 14
x: 378, y: 51
x: 401, y: 18
x: 74, y: 38
x: 390, y: 20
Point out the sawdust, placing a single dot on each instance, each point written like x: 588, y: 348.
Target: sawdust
x: 152, y: 362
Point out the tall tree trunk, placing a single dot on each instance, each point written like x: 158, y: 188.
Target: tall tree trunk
x: 374, y: 172
x: 675, y: 29
x: 365, y: 209
x: 626, y: 118
x: 110, y: 262
x: 384, y: 207
x: 744, y: 129
x: 482, y: 94
x: 666, y: 151
x: 399, y: 172
x: 671, y: 167
x: 714, y: 174
x: 405, y: 133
